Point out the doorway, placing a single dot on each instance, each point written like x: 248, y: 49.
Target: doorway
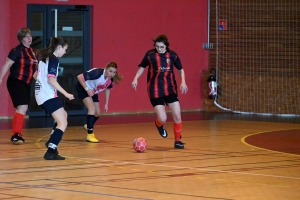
x: 73, y: 23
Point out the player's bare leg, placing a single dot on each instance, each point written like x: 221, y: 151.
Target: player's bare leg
x: 161, y: 120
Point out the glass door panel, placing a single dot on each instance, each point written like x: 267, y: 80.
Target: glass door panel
x: 73, y: 24
x: 37, y: 30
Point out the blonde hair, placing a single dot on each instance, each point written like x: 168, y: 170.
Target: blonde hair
x: 117, y: 77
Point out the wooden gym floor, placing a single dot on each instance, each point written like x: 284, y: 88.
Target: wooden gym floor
x: 226, y: 157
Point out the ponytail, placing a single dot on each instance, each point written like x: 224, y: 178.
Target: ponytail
x: 43, y: 54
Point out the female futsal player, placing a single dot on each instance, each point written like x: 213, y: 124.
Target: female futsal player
x: 22, y: 63
x: 46, y: 88
x: 161, y: 85
x: 89, y: 84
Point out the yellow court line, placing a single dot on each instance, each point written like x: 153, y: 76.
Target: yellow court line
x: 244, y: 142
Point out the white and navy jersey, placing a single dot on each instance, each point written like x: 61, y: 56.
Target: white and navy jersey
x: 43, y: 90
x: 94, y: 79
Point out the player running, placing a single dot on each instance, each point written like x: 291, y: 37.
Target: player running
x: 161, y: 85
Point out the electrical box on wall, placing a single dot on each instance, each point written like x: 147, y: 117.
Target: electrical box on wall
x: 222, y: 24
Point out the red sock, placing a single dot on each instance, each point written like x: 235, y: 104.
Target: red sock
x: 158, y: 123
x: 17, y: 123
x: 177, y: 131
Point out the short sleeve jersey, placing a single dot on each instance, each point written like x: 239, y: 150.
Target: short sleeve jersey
x: 160, y: 77
x: 95, y: 80
x: 43, y: 90
x: 25, y: 63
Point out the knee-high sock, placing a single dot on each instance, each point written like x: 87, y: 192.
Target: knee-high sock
x: 158, y: 123
x: 90, y: 123
x: 95, y: 119
x: 177, y: 131
x: 55, y: 139
x: 18, y: 121
x: 53, y: 128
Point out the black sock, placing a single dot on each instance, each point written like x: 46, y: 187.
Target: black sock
x: 56, y: 136
x: 95, y: 119
x: 53, y: 128
x: 90, y: 123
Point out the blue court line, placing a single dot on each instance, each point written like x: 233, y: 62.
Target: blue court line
x: 97, y: 193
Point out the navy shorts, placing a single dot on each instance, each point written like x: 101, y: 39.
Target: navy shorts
x: 164, y: 100
x: 19, y: 91
x: 52, y: 105
x: 82, y: 94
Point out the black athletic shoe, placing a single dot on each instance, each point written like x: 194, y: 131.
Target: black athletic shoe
x: 179, y: 145
x: 17, y: 139
x: 53, y: 156
x: 162, y: 132
x: 47, y: 143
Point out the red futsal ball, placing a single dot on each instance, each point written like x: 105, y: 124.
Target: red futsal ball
x: 139, y: 144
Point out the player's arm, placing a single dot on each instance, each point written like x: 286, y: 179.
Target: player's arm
x: 35, y: 75
x: 177, y: 64
x: 137, y: 76
x: 83, y: 84
x: 81, y: 81
x: 107, y: 94
x: 52, y: 71
x: 5, y: 68
x: 52, y: 81
x: 36, y: 72
x: 183, y: 86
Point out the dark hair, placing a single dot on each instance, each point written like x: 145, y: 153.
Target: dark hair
x: 117, y: 76
x: 22, y: 33
x: 43, y: 54
x: 161, y: 38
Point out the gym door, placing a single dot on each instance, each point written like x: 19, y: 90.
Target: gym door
x: 73, y: 24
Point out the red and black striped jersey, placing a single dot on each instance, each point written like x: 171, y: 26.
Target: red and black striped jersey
x: 25, y: 63
x: 160, y: 77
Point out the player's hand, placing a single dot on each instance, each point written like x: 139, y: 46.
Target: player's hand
x: 90, y: 92
x: 105, y: 107
x: 134, y: 83
x: 70, y: 96
x: 35, y: 75
x: 183, y: 88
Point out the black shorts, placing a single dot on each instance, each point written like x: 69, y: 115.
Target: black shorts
x: 52, y: 105
x: 19, y: 91
x: 82, y: 94
x: 164, y: 100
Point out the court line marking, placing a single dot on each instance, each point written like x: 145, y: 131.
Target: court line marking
x: 244, y: 142
x: 192, y: 168
x: 76, y: 191
x: 116, y: 162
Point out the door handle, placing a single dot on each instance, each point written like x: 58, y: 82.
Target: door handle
x: 55, y: 22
